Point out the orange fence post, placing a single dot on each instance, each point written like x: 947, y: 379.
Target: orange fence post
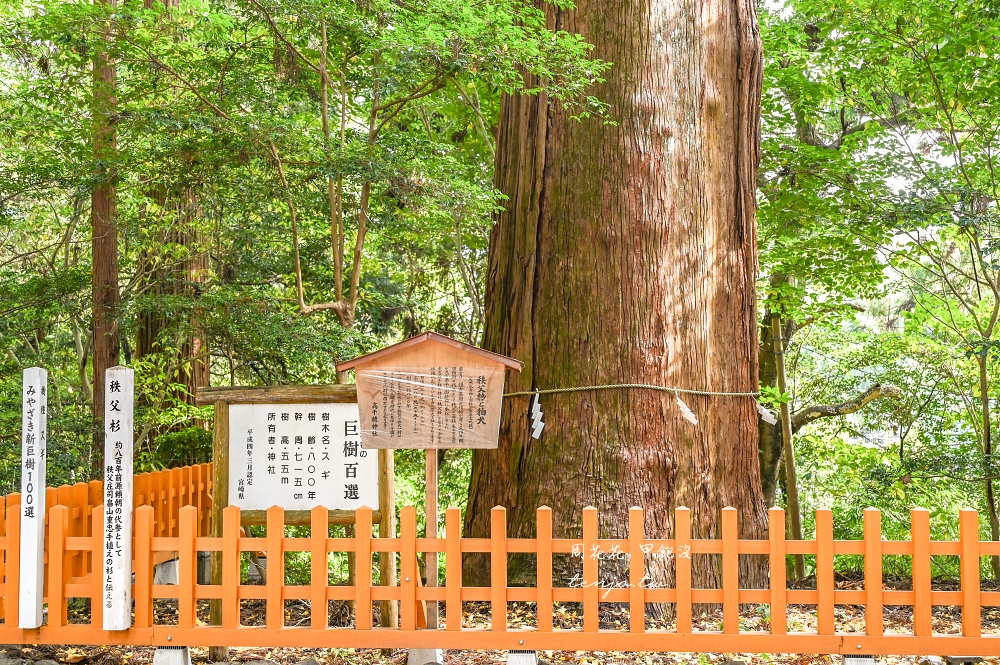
x: 408, y: 567
x: 275, y: 618
x: 167, y: 488
x: 90, y: 562
x: 66, y: 496
x: 543, y: 562
x: 95, y: 496
x: 140, y: 490
x: 776, y: 562
x: 3, y: 555
x: 591, y: 571
x: 174, y: 484
x: 207, y: 496
x: 142, y: 552
x: 12, y: 586
x: 155, y: 501
x: 58, y: 525
x: 3, y: 558
x: 231, y: 567
x: 363, y: 568
x: 682, y: 543
x: 187, y: 555
x: 80, y: 565
x: 498, y: 569
x: 319, y: 575
x: 874, y: 624
x: 968, y: 530
x: 636, y: 571
x: 97, y: 581
x: 730, y: 572
x: 204, y: 497
x: 184, y: 486
x: 824, y: 571
x: 453, y: 568
x: 921, y: 571
x: 51, y: 500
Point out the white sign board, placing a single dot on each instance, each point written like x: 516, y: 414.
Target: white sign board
x: 299, y: 456
x: 34, y: 420
x: 119, y: 421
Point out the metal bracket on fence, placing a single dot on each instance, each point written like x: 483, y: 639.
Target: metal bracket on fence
x: 522, y: 657
x: 424, y: 657
x: 859, y: 659
x: 172, y: 656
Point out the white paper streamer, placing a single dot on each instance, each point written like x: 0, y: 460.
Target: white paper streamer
x: 685, y: 410
x: 536, y: 417
x: 766, y: 414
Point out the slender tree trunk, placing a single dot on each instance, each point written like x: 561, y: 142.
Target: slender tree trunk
x: 770, y: 446
x: 791, y: 477
x: 991, y: 504
x: 627, y: 253
x: 104, y: 240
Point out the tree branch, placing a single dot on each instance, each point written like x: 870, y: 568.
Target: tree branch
x: 809, y: 414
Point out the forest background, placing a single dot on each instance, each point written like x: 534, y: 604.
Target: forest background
x: 295, y: 183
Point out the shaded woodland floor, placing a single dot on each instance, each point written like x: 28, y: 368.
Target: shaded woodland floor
x: 614, y: 616
x: 290, y: 656
x: 849, y: 618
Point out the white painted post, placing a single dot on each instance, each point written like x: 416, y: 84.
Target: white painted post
x: 34, y: 434
x: 119, y: 421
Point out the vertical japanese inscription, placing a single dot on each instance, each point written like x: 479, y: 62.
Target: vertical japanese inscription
x: 34, y: 418
x: 118, y: 431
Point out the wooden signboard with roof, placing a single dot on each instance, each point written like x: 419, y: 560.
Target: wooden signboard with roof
x: 430, y: 392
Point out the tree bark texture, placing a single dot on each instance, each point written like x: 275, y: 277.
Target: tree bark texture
x: 170, y: 277
x: 627, y: 253
x: 104, y: 241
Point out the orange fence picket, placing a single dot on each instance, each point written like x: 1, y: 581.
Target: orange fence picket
x: 170, y: 520
x: 192, y: 485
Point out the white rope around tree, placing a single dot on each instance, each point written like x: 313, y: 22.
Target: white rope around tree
x: 641, y: 386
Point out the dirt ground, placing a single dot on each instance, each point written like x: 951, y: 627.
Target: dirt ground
x: 898, y: 619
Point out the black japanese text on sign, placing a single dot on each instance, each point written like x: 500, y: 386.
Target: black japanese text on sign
x: 299, y: 456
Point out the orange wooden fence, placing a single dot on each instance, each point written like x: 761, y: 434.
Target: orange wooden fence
x: 165, y: 491
x: 190, y: 597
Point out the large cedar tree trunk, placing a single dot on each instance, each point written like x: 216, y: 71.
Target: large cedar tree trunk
x: 104, y: 241
x: 627, y: 253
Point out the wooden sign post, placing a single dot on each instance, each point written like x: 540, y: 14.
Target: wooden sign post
x: 34, y: 432
x: 297, y: 447
x: 430, y: 392
x: 119, y: 427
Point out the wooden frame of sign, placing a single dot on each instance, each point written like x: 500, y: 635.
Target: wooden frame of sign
x: 224, y: 397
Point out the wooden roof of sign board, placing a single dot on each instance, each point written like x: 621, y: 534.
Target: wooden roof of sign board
x: 429, y: 338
